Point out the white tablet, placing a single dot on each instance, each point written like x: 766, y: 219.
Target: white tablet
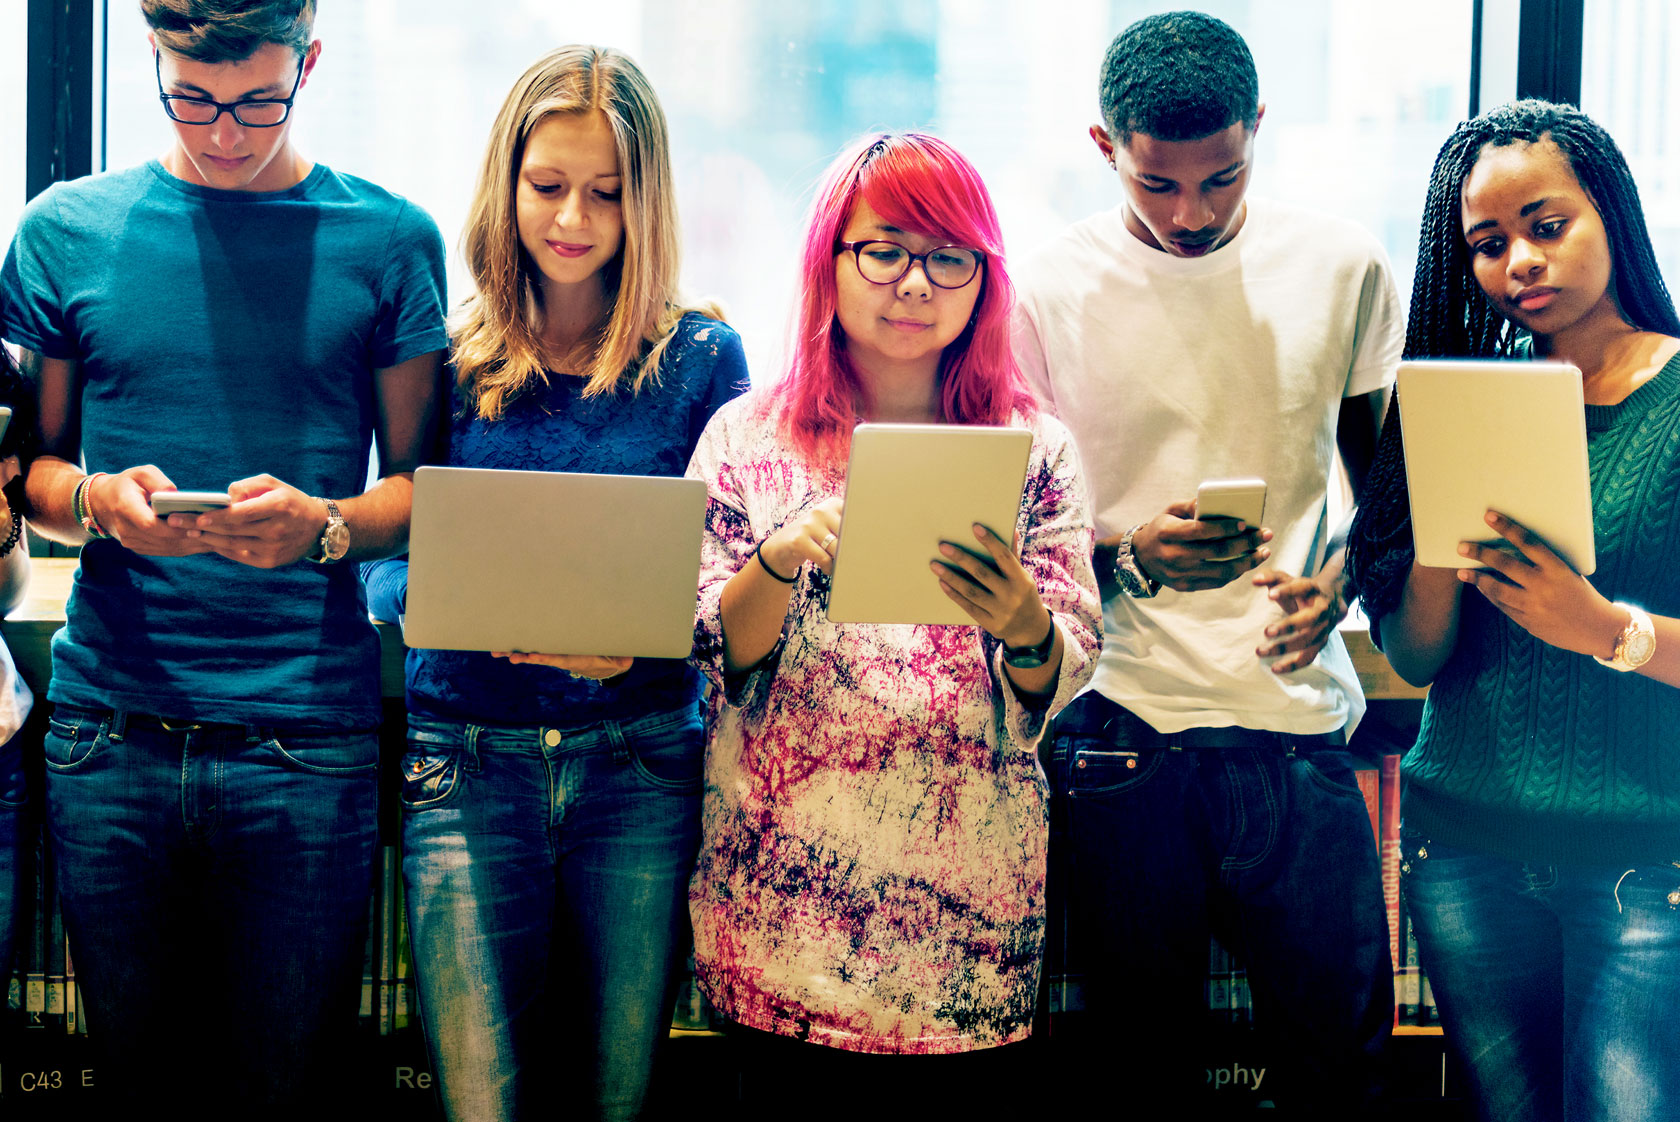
x: 554, y: 563
x: 1495, y: 435
x: 908, y: 488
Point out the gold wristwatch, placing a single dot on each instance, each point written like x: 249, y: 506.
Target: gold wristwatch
x: 1635, y: 645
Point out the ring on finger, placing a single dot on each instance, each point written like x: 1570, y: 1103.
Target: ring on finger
x: 827, y: 545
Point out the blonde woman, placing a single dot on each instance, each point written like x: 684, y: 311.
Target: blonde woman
x: 551, y: 803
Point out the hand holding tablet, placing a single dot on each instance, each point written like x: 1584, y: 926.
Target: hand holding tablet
x: 1501, y: 436
x: 909, y: 490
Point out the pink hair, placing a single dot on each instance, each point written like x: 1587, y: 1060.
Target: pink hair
x: 921, y: 184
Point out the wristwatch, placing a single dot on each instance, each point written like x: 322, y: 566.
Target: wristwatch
x: 1031, y: 658
x: 335, y: 539
x: 1635, y: 645
x: 1128, y: 574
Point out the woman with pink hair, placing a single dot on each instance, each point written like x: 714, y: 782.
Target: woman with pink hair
x: 871, y: 873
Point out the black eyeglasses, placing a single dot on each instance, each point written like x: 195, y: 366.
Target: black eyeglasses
x: 253, y: 113
x: 946, y: 266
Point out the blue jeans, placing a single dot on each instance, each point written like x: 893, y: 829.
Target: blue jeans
x: 215, y: 881
x: 547, y: 877
x: 1269, y: 846
x: 15, y: 847
x: 1558, y: 984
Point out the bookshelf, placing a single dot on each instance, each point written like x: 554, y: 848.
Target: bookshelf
x: 45, y: 1065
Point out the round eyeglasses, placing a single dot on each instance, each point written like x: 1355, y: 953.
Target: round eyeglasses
x: 946, y: 266
x: 253, y: 113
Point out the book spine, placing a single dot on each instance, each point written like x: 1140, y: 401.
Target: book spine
x: 1389, y: 854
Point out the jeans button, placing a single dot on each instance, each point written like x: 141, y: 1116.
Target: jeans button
x: 552, y: 738
x: 1080, y: 763
x: 1131, y: 763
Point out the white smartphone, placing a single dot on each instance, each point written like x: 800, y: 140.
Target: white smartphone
x: 1242, y: 499
x: 188, y: 502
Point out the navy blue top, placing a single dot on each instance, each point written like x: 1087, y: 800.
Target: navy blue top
x: 223, y: 334
x: 557, y: 429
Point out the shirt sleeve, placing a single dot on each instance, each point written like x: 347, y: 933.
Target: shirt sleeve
x: 1380, y: 334
x: 386, y: 583
x: 1057, y: 536
x: 728, y: 377
x: 32, y: 313
x: 726, y: 544
x: 1030, y: 355
x: 411, y: 292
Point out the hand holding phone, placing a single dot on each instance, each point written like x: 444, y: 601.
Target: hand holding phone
x: 165, y: 503
x: 1241, y: 500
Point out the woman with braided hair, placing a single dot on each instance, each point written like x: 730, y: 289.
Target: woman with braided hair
x: 1541, y: 834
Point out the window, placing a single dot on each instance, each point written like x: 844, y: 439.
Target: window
x: 761, y: 93
x: 1627, y: 46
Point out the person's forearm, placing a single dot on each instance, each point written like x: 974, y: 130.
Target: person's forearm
x: 753, y: 607
x: 51, y: 488
x: 1419, y: 636
x: 378, y: 518
x: 1038, y: 681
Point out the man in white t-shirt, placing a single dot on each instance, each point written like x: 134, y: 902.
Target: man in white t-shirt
x: 1203, y: 783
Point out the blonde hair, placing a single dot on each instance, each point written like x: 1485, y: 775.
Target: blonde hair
x: 497, y: 350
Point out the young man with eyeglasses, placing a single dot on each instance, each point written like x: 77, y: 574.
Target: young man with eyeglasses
x: 229, y: 317
x: 1203, y: 785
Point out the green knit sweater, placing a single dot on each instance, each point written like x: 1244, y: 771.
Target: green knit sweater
x: 1535, y: 753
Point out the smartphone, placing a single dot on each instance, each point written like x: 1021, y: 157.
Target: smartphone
x: 1243, y: 499
x: 188, y: 502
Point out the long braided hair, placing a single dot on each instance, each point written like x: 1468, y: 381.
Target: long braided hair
x: 1451, y: 317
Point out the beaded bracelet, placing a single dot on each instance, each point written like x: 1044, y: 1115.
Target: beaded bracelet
x: 11, y: 540
x: 758, y: 552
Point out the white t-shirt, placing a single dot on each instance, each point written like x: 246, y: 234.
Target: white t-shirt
x: 1173, y: 370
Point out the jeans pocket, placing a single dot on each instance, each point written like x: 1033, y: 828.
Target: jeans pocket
x: 670, y: 755
x: 74, y: 737
x: 1101, y: 772
x: 430, y: 774
x: 1333, y: 771
x: 328, y: 753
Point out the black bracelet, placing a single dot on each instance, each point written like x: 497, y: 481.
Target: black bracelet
x: 12, y: 538
x: 758, y: 552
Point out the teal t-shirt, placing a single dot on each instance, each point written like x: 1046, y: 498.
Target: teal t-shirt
x: 223, y: 334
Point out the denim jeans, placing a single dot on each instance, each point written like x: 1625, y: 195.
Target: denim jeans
x: 547, y: 878
x: 1558, y: 984
x: 215, y: 881
x: 1268, y: 846
x: 16, y: 848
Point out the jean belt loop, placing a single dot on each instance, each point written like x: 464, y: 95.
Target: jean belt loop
x: 615, y: 737
x: 118, y: 724
x: 469, y: 744
x: 256, y: 734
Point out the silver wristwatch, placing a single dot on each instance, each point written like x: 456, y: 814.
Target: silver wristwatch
x: 335, y: 539
x: 1128, y: 574
x: 1635, y: 645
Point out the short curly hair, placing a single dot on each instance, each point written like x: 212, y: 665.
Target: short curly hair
x: 229, y: 30
x: 1178, y: 76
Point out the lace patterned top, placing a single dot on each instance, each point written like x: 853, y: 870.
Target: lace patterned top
x: 557, y: 429
x: 871, y: 875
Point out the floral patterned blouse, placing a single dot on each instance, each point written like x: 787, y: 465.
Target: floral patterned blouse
x: 871, y: 875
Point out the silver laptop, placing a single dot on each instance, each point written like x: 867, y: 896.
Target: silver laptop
x: 553, y: 562
x: 1495, y: 435
x: 908, y: 488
